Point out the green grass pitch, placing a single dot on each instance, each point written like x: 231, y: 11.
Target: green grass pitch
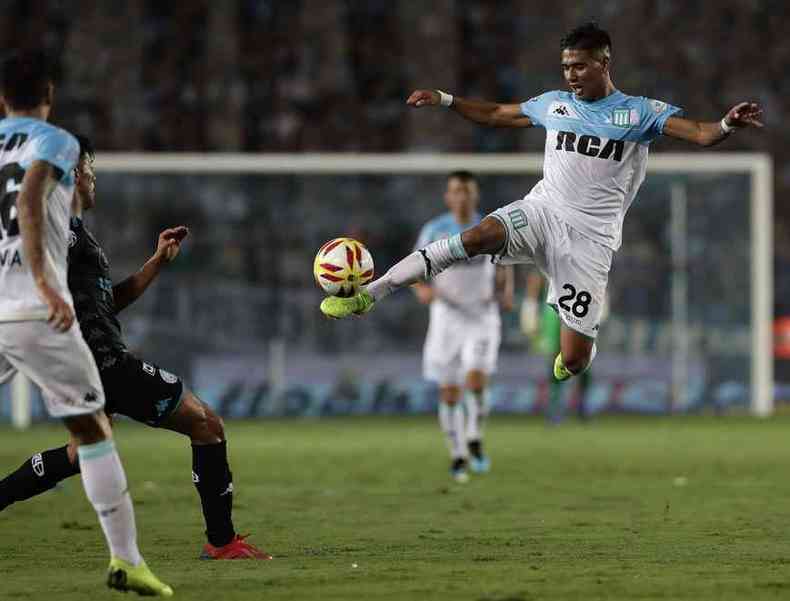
x: 622, y: 508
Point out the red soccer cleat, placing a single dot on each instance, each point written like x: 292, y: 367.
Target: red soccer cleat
x: 238, y: 548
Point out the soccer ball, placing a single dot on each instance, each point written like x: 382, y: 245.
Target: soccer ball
x: 342, y: 266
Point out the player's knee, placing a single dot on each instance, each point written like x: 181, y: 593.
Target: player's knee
x: 576, y: 360
x: 215, y: 425
x: 206, y: 427
x: 89, y: 429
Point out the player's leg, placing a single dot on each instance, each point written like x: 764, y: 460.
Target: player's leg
x: 451, y: 420
x: 40, y: 472
x: 441, y: 363
x: 62, y: 366
x: 579, y: 272
x: 477, y: 408
x: 212, y: 477
x: 479, y: 357
x: 488, y: 237
x: 150, y: 395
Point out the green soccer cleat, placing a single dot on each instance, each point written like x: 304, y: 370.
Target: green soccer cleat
x: 340, y: 308
x: 123, y: 576
x: 561, y: 372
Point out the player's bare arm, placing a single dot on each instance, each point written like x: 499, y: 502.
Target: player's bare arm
x: 530, y: 308
x: 505, y: 284
x: 493, y: 114
x: 745, y: 114
x: 37, y: 184
x: 133, y: 287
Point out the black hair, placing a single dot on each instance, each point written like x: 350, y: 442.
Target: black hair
x: 25, y: 79
x: 86, y: 147
x: 462, y: 175
x: 588, y: 36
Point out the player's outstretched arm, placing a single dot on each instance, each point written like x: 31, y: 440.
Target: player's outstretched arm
x: 745, y: 114
x: 37, y: 185
x: 492, y: 114
x: 132, y: 288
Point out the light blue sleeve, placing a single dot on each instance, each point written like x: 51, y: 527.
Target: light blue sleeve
x: 653, y: 116
x: 58, y: 148
x: 426, y: 236
x: 537, y: 107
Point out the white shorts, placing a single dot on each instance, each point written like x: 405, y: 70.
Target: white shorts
x: 576, y: 267
x: 59, y: 363
x: 459, y: 342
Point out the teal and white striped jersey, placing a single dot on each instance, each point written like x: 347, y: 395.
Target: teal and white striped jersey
x: 471, y: 284
x: 22, y: 142
x: 596, y: 156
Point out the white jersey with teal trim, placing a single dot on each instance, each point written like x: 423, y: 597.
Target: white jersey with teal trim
x: 22, y: 141
x: 596, y: 156
x: 469, y: 286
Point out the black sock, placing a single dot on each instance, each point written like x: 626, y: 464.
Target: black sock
x: 476, y: 448
x: 36, y: 475
x: 214, y: 482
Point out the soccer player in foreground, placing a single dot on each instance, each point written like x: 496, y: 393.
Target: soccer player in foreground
x: 462, y: 343
x: 135, y: 388
x: 570, y: 223
x: 38, y: 335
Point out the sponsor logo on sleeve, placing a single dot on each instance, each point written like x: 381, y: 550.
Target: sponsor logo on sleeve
x: 168, y: 377
x: 658, y: 106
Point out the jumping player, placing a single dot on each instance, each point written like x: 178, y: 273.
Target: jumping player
x: 135, y: 388
x: 570, y: 223
x: 462, y: 344
x: 38, y: 335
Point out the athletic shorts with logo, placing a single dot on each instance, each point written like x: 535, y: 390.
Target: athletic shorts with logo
x: 141, y: 390
x: 576, y: 267
x: 459, y: 341
x: 59, y: 363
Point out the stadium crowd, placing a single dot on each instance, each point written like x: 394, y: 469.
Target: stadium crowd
x: 267, y: 75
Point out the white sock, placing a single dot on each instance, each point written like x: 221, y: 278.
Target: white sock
x: 476, y: 412
x: 419, y: 265
x: 105, y: 486
x: 451, y: 419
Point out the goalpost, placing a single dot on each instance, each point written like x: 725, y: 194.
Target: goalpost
x: 758, y: 167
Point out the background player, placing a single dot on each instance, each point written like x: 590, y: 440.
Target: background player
x: 570, y: 223
x: 38, y: 336
x: 462, y: 344
x: 135, y: 388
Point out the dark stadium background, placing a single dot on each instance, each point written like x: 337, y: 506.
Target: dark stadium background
x: 268, y: 76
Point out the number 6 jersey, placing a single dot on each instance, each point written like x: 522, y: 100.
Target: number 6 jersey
x: 24, y: 140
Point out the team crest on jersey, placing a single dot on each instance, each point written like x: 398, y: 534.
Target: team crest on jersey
x: 72, y: 239
x: 562, y: 110
x: 625, y: 117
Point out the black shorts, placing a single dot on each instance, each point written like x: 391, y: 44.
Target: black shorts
x: 141, y: 390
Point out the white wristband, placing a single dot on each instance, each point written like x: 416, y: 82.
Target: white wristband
x: 445, y: 99
x: 727, y: 129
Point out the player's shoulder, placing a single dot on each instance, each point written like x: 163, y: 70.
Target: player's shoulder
x: 439, y: 221
x: 645, y: 104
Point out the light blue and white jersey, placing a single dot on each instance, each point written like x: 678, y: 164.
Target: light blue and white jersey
x: 596, y: 156
x: 469, y: 285
x: 22, y: 141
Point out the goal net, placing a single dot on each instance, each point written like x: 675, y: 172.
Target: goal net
x: 236, y: 315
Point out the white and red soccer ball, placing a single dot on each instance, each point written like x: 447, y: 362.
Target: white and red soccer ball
x: 342, y: 266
